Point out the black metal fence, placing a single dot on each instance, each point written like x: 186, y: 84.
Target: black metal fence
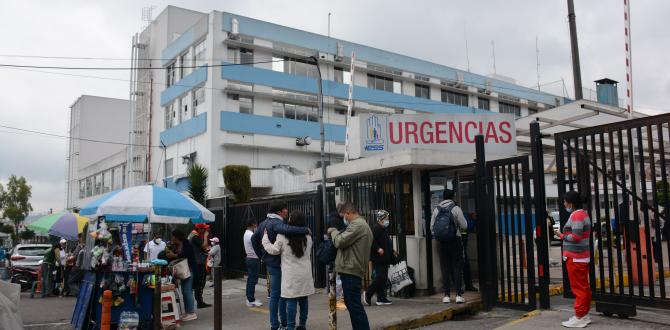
x: 512, y: 230
x: 622, y: 171
x: 236, y: 216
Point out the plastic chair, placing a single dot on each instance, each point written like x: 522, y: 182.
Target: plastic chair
x: 169, y: 308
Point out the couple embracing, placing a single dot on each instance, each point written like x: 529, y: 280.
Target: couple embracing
x: 286, y: 251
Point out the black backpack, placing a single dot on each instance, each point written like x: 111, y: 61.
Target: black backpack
x: 444, y: 227
x: 326, y: 252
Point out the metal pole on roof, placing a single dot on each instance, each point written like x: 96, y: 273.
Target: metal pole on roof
x: 576, y: 71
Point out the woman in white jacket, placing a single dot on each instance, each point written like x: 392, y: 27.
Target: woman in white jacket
x: 296, y: 266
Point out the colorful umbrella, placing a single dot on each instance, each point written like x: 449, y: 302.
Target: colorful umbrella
x: 142, y: 203
x: 64, y: 224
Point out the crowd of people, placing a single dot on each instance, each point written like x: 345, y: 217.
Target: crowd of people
x: 61, y: 269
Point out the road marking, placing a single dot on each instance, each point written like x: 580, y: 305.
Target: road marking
x: 523, y: 318
x: 259, y: 310
x: 42, y: 325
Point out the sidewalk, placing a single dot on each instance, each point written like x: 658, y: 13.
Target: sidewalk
x: 403, y: 314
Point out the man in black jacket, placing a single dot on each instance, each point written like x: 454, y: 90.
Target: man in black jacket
x: 381, y: 255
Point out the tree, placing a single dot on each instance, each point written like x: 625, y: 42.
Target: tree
x: 197, y: 188
x: 7, y: 229
x: 16, y: 200
x: 27, y: 234
x: 238, y: 180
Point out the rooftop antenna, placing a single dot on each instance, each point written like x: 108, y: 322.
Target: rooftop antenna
x: 467, y: 52
x: 147, y: 15
x: 537, y: 60
x: 329, y: 25
x: 493, y: 50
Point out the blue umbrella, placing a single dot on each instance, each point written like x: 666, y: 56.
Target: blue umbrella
x: 147, y: 203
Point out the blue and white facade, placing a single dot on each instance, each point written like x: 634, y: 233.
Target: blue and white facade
x: 219, y: 114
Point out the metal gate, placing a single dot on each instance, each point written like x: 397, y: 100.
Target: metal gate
x: 513, y: 247
x: 621, y: 170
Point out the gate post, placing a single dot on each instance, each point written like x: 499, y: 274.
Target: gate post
x: 537, y: 157
x: 486, y: 264
x: 427, y: 212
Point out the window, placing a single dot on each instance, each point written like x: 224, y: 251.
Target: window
x: 199, y: 56
x: 185, y: 103
x: 246, y: 104
x: 277, y: 64
x: 82, y: 189
x: 483, y: 103
x: 532, y: 111
x: 422, y: 91
x: 171, y: 75
x: 185, y: 64
x: 174, y: 114
x: 168, y: 116
x: 169, y: 168
x: 106, y: 181
x: 89, y: 187
x: 295, y: 111
x: 455, y: 98
x: 97, y: 184
x: 300, y: 67
x: 509, y: 108
x: 382, y: 83
x: 342, y: 76
x: 246, y: 56
x: 198, y: 99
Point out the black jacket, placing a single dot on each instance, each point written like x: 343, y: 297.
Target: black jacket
x: 381, y: 239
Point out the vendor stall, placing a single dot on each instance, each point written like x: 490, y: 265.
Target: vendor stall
x: 116, y: 229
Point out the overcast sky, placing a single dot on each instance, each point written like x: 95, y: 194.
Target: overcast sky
x: 431, y: 30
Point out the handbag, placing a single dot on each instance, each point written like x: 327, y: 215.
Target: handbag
x: 399, y: 276
x: 180, y: 269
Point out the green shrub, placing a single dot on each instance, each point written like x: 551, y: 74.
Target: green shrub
x: 197, y: 188
x: 238, y: 180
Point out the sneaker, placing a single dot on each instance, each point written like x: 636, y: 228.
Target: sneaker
x: 203, y: 305
x: 340, y: 305
x: 459, y: 300
x: 587, y: 318
x: 255, y: 303
x: 383, y: 302
x: 575, y: 322
x: 189, y: 317
x: 366, y: 300
x: 446, y: 300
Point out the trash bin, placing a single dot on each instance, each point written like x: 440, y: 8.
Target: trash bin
x: 644, y: 255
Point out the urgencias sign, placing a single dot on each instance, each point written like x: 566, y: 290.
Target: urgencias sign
x: 444, y: 132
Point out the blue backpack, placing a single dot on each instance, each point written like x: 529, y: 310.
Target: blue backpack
x: 444, y: 227
x: 326, y: 252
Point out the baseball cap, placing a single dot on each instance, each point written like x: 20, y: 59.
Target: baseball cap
x: 62, y: 241
x: 215, y: 239
x: 202, y: 226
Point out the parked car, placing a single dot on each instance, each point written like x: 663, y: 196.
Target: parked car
x: 28, y: 255
x: 555, y: 225
x: 24, y: 263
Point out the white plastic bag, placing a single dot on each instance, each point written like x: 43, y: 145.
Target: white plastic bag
x: 399, y: 277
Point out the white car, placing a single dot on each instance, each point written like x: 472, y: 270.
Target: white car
x: 28, y: 255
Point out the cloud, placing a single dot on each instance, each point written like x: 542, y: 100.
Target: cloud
x: 431, y: 29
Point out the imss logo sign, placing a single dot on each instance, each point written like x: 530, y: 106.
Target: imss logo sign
x: 375, y: 139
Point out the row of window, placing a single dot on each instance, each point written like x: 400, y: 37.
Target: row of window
x: 184, y: 108
x: 185, y: 62
x: 294, y: 111
x: 103, y: 182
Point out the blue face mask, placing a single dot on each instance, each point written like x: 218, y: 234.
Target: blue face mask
x: 568, y: 209
x: 386, y: 223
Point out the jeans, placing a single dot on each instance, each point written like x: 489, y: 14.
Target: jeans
x: 451, y: 263
x: 277, y: 304
x: 378, y: 286
x: 351, y: 286
x: 253, y: 267
x: 199, y: 280
x: 187, y: 294
x: 292, y: 308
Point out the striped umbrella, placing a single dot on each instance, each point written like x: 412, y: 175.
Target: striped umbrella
x: 147, y: 203
x: 64, y: 224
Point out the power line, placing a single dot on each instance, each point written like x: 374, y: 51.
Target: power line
x: 131, y: 68
x: 72, y: 138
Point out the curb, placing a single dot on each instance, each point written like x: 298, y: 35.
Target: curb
x: 437, y: 317
x: 449, y: 313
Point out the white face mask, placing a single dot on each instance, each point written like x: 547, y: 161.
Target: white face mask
x: 568, y: 209
x: 158, y: 241
x: 386, y: 223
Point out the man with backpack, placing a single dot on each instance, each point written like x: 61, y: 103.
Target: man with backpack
x: 446, y: 223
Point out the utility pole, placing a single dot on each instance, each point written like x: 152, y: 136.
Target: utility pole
x: 576, y: 71
x: 332, y: 311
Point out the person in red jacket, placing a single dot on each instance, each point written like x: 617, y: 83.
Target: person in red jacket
x: 576, y: 254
